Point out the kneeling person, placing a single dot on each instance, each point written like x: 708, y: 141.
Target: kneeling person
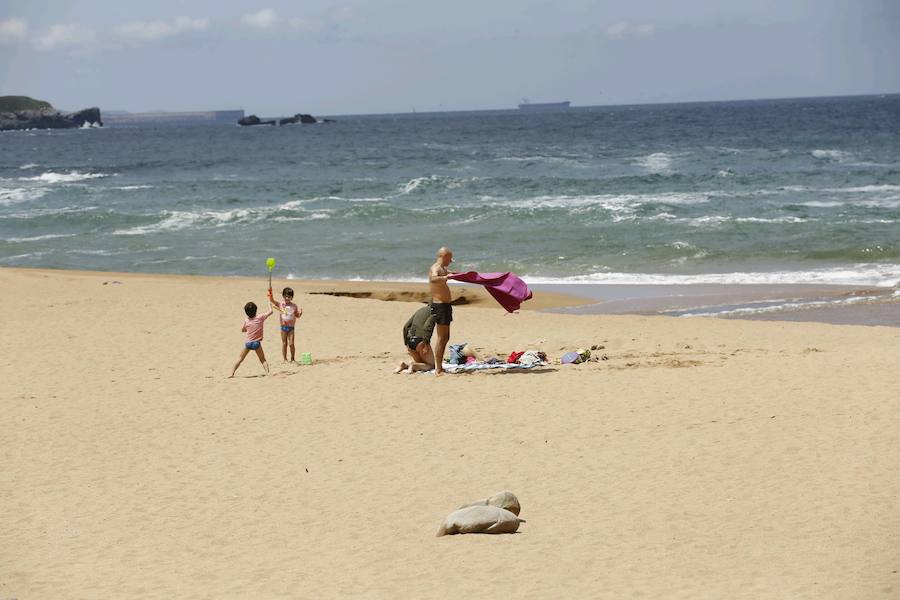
x: 417, y: 339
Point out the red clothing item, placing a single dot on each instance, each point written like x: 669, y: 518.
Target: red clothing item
x: 514, y: 357
x: 507, y: 289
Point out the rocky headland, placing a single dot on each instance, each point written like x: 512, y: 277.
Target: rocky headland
x: 22, y: 112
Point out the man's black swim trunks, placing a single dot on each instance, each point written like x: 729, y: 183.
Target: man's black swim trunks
x: 442, y: 313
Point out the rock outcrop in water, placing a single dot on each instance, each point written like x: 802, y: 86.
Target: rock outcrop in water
x: 253, y: 120
x: 45, y: 117
x: 301, y: 118
x: 298, y: 118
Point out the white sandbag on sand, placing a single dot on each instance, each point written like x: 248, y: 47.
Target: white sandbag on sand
x: 480, y: 519
x: 504, y: 500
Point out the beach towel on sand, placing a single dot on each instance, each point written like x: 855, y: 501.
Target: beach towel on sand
x: 507, y: 289
x: 481, y: 366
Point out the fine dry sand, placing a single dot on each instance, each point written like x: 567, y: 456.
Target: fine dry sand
x: 703, y: 459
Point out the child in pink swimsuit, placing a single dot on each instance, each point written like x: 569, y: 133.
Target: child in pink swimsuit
x: 253, y: 327
x: 290, y: 312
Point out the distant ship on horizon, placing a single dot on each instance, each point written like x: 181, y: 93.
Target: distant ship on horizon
x: 543, y: 106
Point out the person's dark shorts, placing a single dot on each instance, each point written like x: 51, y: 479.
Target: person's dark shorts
x: 442, y: 313
x: 252, y: 345
x: 287, y: 328
x: 413, y: 343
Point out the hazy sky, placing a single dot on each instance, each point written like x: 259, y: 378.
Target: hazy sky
x: 353, y: 56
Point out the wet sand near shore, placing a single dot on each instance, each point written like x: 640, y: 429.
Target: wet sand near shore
x: 836, y: 304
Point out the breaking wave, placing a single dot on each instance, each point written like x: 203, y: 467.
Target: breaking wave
x: 865, y: 274
x: 70, y: 177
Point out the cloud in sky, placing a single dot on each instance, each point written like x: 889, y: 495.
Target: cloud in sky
x: 148, y: 31
x: 13, y: 31
x: 65, y: 35
x: 267, y: 18
x: 625, y: 29
x: 263, y: 19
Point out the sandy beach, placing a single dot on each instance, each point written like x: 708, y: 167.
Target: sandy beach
x: 699, y: 458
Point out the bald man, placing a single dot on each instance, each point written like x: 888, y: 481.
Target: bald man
x: 441, y: 308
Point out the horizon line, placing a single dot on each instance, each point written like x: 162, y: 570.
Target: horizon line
x: 516, y: 109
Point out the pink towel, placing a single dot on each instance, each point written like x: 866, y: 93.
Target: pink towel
x: 506, y: 288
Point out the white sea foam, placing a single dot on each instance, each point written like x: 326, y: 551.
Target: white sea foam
x: 834, y: 155
x: 887, y: 187
x: 128, y: 188
x: 27, y: 255
x: 658, y: 162
x: 772, y: 220
x: 556, y: 160
x: 883, y: 203
x: 414, y: 184
x: 822, y: 204
x: 70, y: 177
x: 120, y: 252
x: 316, y: 216
x: 43, y: 212
x: 177, y: 220
x: 27, y: 166
x: 773, y: 306
x: 15, y: 195
x: 611, y: 202
x: 864, y: 274
x: 39, y: 238
x: 708, y: 220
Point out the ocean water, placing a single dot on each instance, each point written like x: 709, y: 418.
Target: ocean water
x: 783, y: 191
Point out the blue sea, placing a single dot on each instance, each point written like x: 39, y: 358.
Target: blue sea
x: 777, y: 191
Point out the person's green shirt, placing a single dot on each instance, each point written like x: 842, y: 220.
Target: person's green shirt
x: 419, y: 326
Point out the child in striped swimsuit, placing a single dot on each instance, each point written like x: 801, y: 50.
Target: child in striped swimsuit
x: 253, y: 327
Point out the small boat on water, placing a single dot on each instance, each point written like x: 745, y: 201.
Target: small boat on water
x: 543, y: 106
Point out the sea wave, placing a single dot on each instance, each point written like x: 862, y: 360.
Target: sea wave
x: 553, y: 160
x: 28, y: 166
x: 770, y: 306
x: 887, y: 187
x: 414, y: 184
x: 38, y: 213
x: 177, y: 220
x: 70, y: 177
x: 658, y: 162
x: 866, y: 274
x: 429, y: 181
x: 16, y: 195
x: 316, y: 216
x: 772, y: 220
x: 38, y: 238
x: 832, y: 155
x: 117, y: 252
x: 209, y: 219
x: 612, y: 202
